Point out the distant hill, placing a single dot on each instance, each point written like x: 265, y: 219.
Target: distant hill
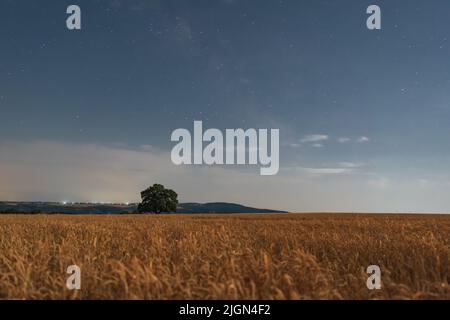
x: 221, y: 207
x: 94, y: 208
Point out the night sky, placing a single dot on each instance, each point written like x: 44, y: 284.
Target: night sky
x: 364, y: 115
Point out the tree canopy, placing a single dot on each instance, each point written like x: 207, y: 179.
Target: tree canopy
x: 158, y: 199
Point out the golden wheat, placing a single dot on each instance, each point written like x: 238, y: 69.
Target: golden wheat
x: 295, y: 256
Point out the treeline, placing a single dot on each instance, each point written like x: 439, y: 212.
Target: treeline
x: 12, y: 211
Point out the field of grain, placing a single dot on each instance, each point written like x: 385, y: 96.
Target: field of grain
x: 295, y: 256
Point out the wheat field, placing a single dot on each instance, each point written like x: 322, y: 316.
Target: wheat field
x: 288, y: 256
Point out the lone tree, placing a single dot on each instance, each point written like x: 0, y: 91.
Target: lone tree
x: 157, y: 199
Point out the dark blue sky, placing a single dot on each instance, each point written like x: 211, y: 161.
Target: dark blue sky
x: 356, y: 108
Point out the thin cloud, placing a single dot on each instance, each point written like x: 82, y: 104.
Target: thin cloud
x: 327, y: 171
x: 340, y: 168
x: 349, y: 165
x: 363, y: 139
x: 344, y: 140
x: 314, y: 138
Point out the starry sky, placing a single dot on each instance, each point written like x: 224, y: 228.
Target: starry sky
x: 364, y: 115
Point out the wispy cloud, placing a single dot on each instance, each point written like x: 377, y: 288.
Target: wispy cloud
x: 344, y: 140
x: 339, y: 168
x: 351, y: 165
x: 314, y: 138
x: 363, y: 139
x: 327, y: 171
x: 318, y: 138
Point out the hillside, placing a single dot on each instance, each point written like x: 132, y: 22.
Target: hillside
x: 95, y: 208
